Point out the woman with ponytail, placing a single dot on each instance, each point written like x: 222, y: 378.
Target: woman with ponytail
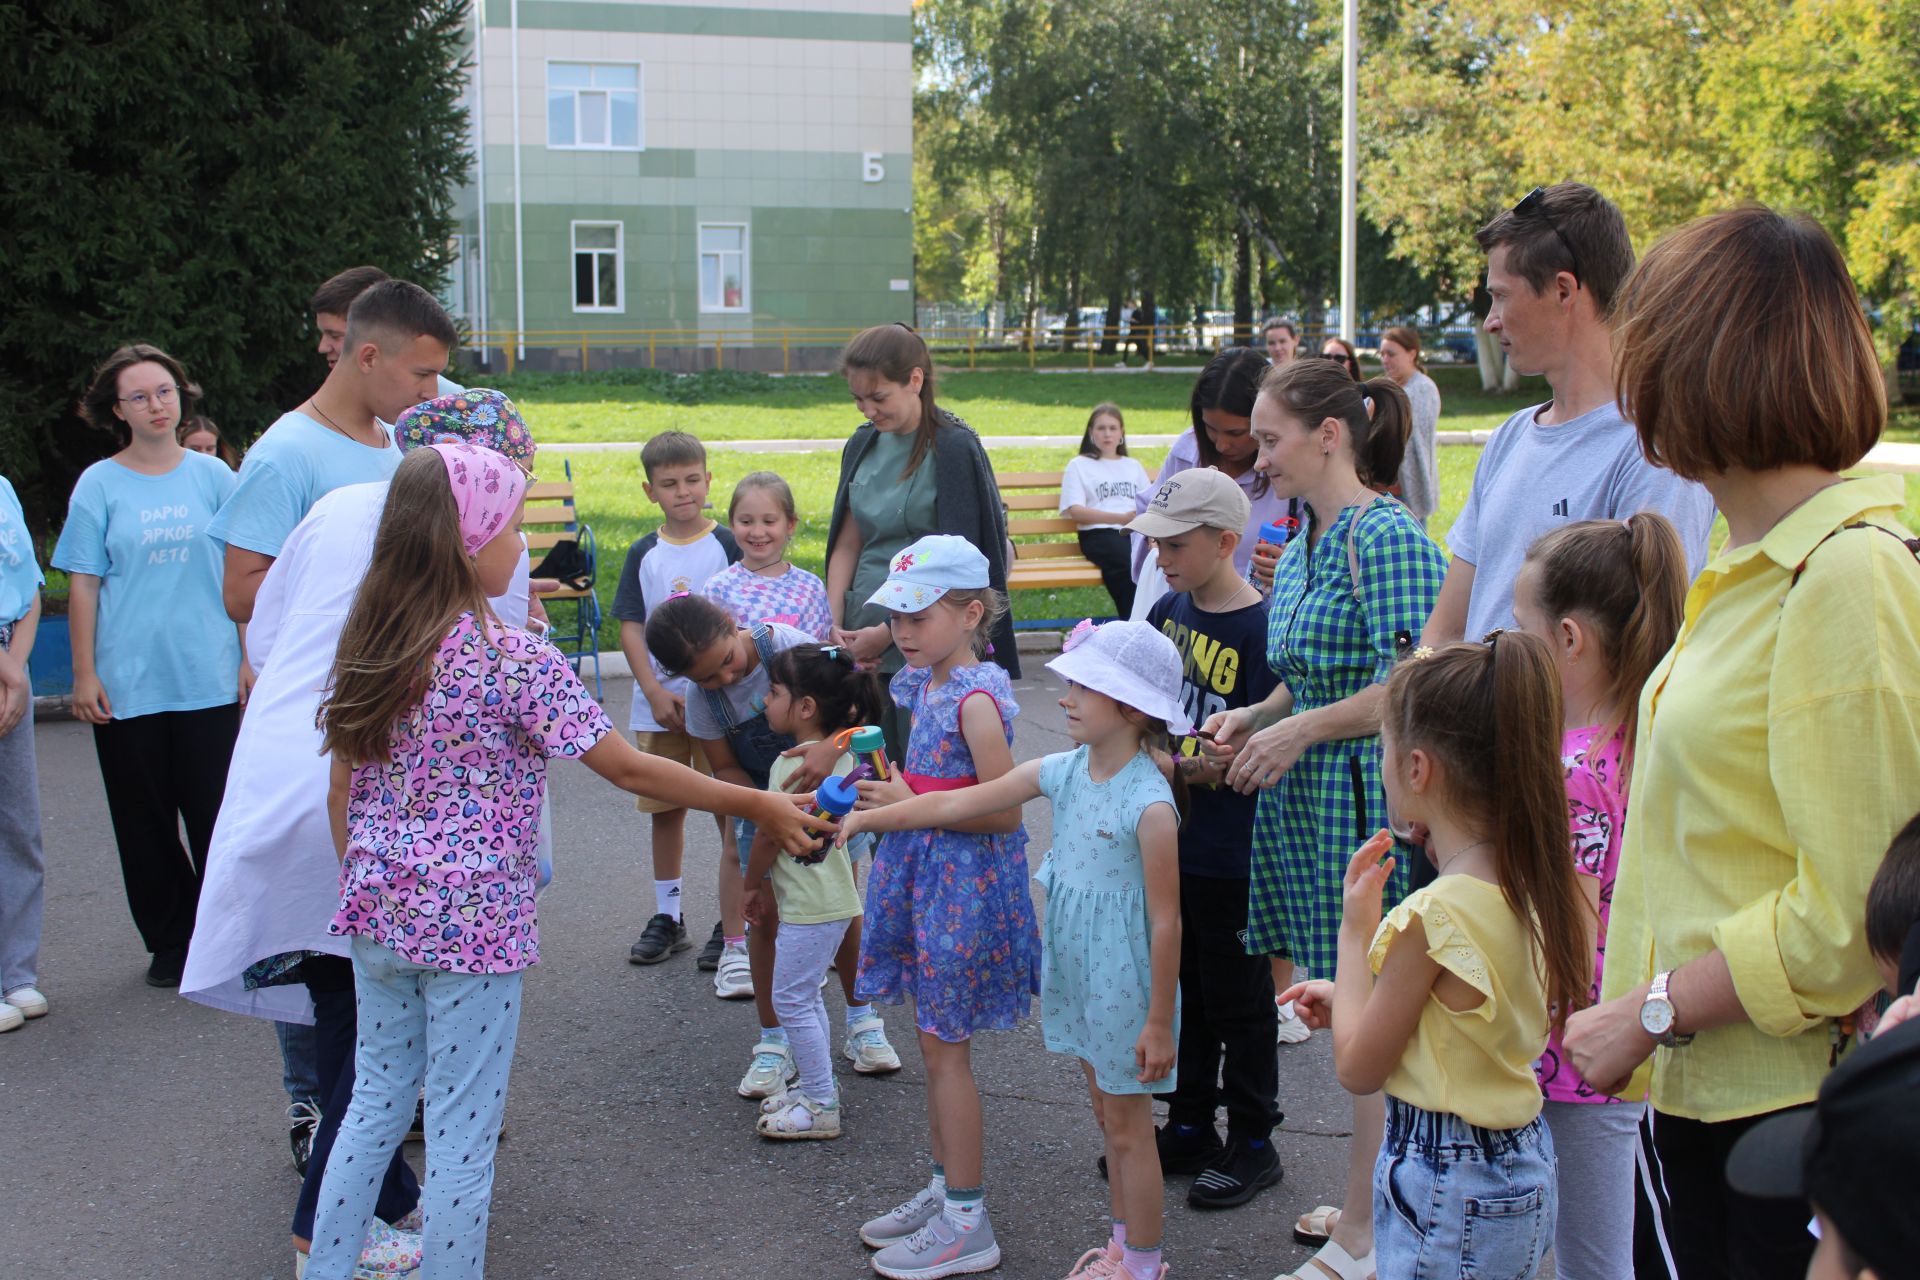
x: 1606, y: 597
x: 1446, y: 1002
x: 911, y: 470
x: 1350, y: 590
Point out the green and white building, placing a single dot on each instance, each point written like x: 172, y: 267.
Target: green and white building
x: 662, y: 178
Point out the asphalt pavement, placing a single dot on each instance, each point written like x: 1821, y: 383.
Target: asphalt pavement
x: 143, y: 1135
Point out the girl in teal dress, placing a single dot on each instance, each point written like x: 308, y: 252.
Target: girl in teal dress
x: 1111, y: 945
x: 1353, y: 588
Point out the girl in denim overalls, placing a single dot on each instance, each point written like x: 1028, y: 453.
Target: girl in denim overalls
x: 695, y: 637
x: 1447, y: 1002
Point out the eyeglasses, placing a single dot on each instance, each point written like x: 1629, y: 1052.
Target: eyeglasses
x: 161, y: 396
x: 1534, y: 204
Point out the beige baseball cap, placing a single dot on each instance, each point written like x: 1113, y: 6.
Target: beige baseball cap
x: 1188, y: 499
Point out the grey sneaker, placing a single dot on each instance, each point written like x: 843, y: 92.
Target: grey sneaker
x: 937, y: 1250
x: 902, y: 1220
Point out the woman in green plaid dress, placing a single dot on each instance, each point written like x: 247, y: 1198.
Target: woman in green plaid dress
x: 1351, y: 587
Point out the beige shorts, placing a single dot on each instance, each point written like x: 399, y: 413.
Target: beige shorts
x: 674, y: 746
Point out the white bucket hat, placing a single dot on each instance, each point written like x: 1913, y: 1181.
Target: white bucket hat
x: 1130, y: 662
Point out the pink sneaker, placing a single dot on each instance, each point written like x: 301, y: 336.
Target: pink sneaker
x: 1104, y: 1263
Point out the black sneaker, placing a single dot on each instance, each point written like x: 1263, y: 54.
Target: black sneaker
x: 1181, y: 1154
x: 709, y: 960
x: 663, y: 936
x: 1238, y: 1174
x: 303, y: 1120
x: 167, y: 967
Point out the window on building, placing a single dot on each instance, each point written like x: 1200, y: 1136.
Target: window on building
x: 593, y: 105
x: 723, y: 266
x: 597, y: 271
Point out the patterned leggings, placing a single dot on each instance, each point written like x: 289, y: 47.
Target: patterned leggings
x: 456, y: 1030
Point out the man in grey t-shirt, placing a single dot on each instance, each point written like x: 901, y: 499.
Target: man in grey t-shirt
x: 1554, y: 264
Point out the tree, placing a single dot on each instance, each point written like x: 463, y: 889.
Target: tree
x: 1820, y: 111
x: 185, y: 172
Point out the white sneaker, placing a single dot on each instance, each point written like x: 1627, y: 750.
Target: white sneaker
x: 11, y: 1019
x: 28, y: 1001
x: 867, y: 1047
x: 772, y: 1067
x: 733, y: 980
x: 1292, y: 1030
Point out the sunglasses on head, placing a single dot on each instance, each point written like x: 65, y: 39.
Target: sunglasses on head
x: 1534, y: 205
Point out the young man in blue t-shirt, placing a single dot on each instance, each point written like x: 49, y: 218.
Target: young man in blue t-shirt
x: 397, y: 341
x: 1218, y: 622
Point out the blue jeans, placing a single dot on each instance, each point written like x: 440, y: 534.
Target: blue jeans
x: 1453, y: 1200
x: 299, y: 1062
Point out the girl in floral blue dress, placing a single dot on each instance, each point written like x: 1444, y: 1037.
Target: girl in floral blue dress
x: 950, y: 920
x: 1110, y: 997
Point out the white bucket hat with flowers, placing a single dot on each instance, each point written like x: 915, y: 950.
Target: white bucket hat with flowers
x: 1130, y: 662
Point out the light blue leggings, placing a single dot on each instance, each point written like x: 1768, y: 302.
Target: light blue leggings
x: 457, y: 1031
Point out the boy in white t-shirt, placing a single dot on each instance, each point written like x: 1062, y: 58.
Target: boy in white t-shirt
x: 677, y: 558
x: 1097, y: 490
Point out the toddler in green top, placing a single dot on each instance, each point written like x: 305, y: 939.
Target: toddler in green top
x: 814, y: 692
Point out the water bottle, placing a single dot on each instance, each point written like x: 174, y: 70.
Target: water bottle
x: 833, y: 801
x: 1273, y: 534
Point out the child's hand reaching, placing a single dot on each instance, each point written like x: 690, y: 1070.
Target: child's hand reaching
x: 755, y: 903
x: 850, y: 826
x: 1153, y: 1052
x: 875, y: 794
x: 792, y: 824
x: 1365, y: 883
x: 1312, y: 1003
x: 816, y: 763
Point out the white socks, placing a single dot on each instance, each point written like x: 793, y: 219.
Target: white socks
x: 666, y: 898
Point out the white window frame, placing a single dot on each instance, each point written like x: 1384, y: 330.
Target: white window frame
x: 746, y: 267
x: 639, y: 108
x: 619, y: 252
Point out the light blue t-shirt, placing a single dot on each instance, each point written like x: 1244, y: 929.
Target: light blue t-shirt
x: 19, y: 571
x: 163, y: 641
x: 295, y: 464
x: 1533, y: 478
x: 448, y: 387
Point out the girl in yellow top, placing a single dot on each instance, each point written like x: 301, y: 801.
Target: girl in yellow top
x: 1447, y: 1002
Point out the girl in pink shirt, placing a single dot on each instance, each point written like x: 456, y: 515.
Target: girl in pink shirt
x: 440, y: 720
x: 1607, y: 595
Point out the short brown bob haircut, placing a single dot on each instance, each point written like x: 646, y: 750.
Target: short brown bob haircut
x: 1741, y: 343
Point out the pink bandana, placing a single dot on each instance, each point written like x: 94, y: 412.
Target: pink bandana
x: 486, y: 489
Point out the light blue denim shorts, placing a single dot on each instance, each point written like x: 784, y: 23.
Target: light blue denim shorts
x: 1451, y: 1199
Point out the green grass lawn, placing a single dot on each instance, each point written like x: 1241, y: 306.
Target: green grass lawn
x: 631, y: 405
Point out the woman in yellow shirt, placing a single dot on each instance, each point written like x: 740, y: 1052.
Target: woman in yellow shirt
x: 1779, y: 741
x: 1446, y: 1003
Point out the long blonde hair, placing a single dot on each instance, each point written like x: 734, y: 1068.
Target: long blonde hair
x: 420, y: 581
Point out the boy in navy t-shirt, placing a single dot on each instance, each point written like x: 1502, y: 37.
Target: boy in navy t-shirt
x: 1218, y: 622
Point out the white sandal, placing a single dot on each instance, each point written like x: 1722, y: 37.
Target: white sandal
x: 1315, y: 1228
x: 1333, y: 1263
x: 801, y: 1119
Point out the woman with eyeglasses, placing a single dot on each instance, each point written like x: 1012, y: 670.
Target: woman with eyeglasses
x: 157, y: 665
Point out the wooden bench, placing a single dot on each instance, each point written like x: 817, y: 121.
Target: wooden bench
x: 552, y: 517
x: 1050, y: 556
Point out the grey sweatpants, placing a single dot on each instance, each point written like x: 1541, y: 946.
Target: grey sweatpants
x: 22, y: 864
x: 800, y: 960
x: 1596, y: 1143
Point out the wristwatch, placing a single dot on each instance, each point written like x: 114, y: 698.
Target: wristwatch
x: 1657, y: 1017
